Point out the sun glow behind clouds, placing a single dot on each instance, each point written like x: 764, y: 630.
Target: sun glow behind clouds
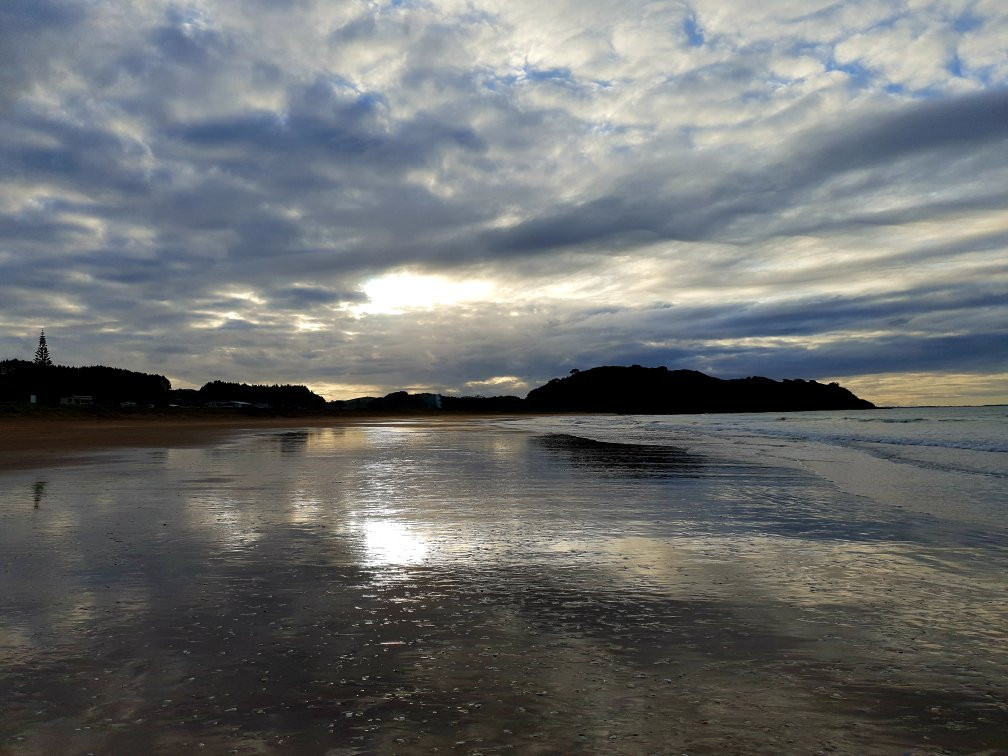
x: 396, y: 293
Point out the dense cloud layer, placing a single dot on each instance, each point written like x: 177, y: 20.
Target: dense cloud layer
x: 367, y: 196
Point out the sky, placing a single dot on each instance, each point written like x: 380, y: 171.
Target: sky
x: 475, y: 197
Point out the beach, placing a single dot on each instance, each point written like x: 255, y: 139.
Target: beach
x: 491, y: 585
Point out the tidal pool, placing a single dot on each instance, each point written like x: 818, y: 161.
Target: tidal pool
x: 468, y: 587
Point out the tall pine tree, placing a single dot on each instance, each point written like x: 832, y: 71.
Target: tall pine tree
x: 42, y: 353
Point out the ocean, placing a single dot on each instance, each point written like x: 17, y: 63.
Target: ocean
x: 946, y: 461
x: 809, y: 582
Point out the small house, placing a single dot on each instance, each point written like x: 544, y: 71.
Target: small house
x: 77, y: 400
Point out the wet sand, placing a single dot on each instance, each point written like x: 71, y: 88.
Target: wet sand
x: 386, y: 587
x: 45, y: 441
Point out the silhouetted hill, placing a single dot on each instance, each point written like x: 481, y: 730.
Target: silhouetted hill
x: 633, y: 390
x: 20, y: 379
x: 640, y: 390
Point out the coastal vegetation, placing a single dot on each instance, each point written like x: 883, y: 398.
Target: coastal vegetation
x: 47, y: 384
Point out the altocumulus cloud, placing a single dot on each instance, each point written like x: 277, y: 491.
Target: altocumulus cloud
x: 473, y: 196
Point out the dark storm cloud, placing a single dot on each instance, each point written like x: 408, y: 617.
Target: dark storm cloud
x: 968, y: 353
x: 604, y: 219
x: 178, y: 42
x: 809, y: 317
x: 43, y: 149
x: 957, y: 123
x: 36, y: 226
x: 937, y: 308
x: 331, y: 127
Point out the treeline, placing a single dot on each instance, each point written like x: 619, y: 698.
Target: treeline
x: 26, y: 382
x: 265, y: 397
x: 629, y: 390
x: 21, y: 380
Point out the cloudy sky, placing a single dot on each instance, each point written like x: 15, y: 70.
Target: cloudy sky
x: 477, y: 196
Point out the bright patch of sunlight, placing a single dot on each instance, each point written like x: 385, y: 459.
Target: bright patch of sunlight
x: 346, y: 390
x: 242, y: 294
x: 391, y: 542
x: 498, y: 383
x: 305, y: 324
x: 395, y: 293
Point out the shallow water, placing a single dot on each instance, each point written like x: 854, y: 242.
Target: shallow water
x: 475, y: 586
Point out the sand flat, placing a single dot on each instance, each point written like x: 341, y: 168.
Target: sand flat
x: 398, y: 586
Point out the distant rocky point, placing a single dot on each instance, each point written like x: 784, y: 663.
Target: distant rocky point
x: 641, y: 390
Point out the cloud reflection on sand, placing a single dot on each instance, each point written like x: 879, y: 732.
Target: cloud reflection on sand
x: 219, y: 512
x: 307, y: 507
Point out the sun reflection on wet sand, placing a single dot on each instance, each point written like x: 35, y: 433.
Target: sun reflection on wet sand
x: 387, y: 542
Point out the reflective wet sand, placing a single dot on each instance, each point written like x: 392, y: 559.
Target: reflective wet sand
x: 405, y: 587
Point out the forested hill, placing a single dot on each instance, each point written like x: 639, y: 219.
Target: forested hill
x: 640, y: 390
x: 286, y: 396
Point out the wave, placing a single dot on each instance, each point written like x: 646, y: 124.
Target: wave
x: 893, y: 420
x: 981, y: 445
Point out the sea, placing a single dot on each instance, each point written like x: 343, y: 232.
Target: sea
x: 946, y: 461
x: 828, y: 582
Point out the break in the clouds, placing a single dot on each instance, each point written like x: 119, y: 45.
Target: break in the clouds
x: 477, y: 196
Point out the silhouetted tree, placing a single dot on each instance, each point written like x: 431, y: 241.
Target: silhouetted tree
x: 42, y: 353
